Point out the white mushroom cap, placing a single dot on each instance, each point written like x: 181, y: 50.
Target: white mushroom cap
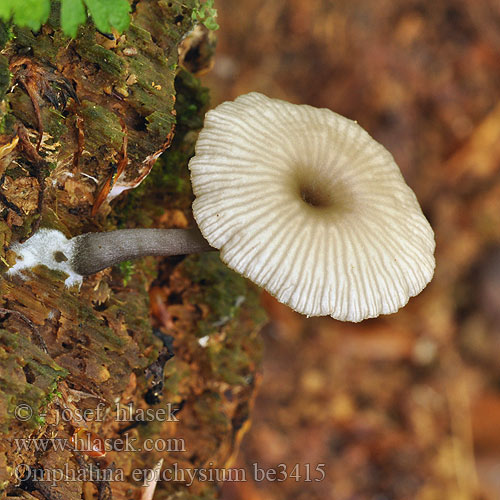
x: 306, y: 204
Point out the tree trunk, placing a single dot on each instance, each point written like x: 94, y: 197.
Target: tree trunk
x: 174, y: 342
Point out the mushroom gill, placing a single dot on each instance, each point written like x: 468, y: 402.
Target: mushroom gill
x: 306, y: 204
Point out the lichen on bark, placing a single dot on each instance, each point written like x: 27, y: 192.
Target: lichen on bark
x: 82, y: 121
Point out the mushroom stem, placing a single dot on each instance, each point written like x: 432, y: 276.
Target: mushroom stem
x: 96, y: 251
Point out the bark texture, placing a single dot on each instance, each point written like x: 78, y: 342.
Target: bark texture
x: 82, y: 121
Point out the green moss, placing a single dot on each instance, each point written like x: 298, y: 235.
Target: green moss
x: 102, y: 128
x: 169, y: 178
x: 52, y: 119
x: 178, y: 10
x: 230, y: 360
x: 53, y: 123
x: 104, y: 338
x: 103, y: 334
x: 107, y: 60
x: 174, y: 373
x: 7, y: 121
x: 160, y: 123
x: 206, y: 14
x: 127, y: 269
x: 192, y: 101
x: 4, y: 75
x: 42, y: 46
x: 208, y: 408
x: 24, y: 399
x: 5, y: 34
x: 233, y: 302
x: 234, y: 307
x: 140, y: 39
x: 24, y: 37
x: 149, y: 71
x: 223, y: 290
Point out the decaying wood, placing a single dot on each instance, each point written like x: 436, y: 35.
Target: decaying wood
x: 83, y: 121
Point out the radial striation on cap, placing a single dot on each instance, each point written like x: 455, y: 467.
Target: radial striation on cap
x: 303, y: 202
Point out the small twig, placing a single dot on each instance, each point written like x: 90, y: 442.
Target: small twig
x: 149, y: 489
x: 33, y: 95
x: 116, y: 172
x: 84, y: 394
x: 34, y: 329
x: 37, y: 80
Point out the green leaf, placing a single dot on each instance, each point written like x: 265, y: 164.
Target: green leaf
x: 99, y: 12
x: 109, y: 13
x: 5, y: 9
x: 73, y: 14
x: 106, y: 14
x: 119, y: 16
x: 31, y: 13
x: 211, y: 24
x: 206, y: 14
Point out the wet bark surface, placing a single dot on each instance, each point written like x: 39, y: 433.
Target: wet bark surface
x: 82, y: 123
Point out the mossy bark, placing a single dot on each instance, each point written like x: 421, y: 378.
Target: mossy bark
x: 82, y: 121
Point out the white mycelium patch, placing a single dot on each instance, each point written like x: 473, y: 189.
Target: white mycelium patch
x: 306, y: 204
x: 47, y: 247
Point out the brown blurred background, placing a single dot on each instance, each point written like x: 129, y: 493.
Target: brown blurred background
x: 405, y: 406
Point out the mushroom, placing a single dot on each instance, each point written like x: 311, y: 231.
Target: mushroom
x: 90, y: 253
x: 306, y: 204
x: 300, y: 200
